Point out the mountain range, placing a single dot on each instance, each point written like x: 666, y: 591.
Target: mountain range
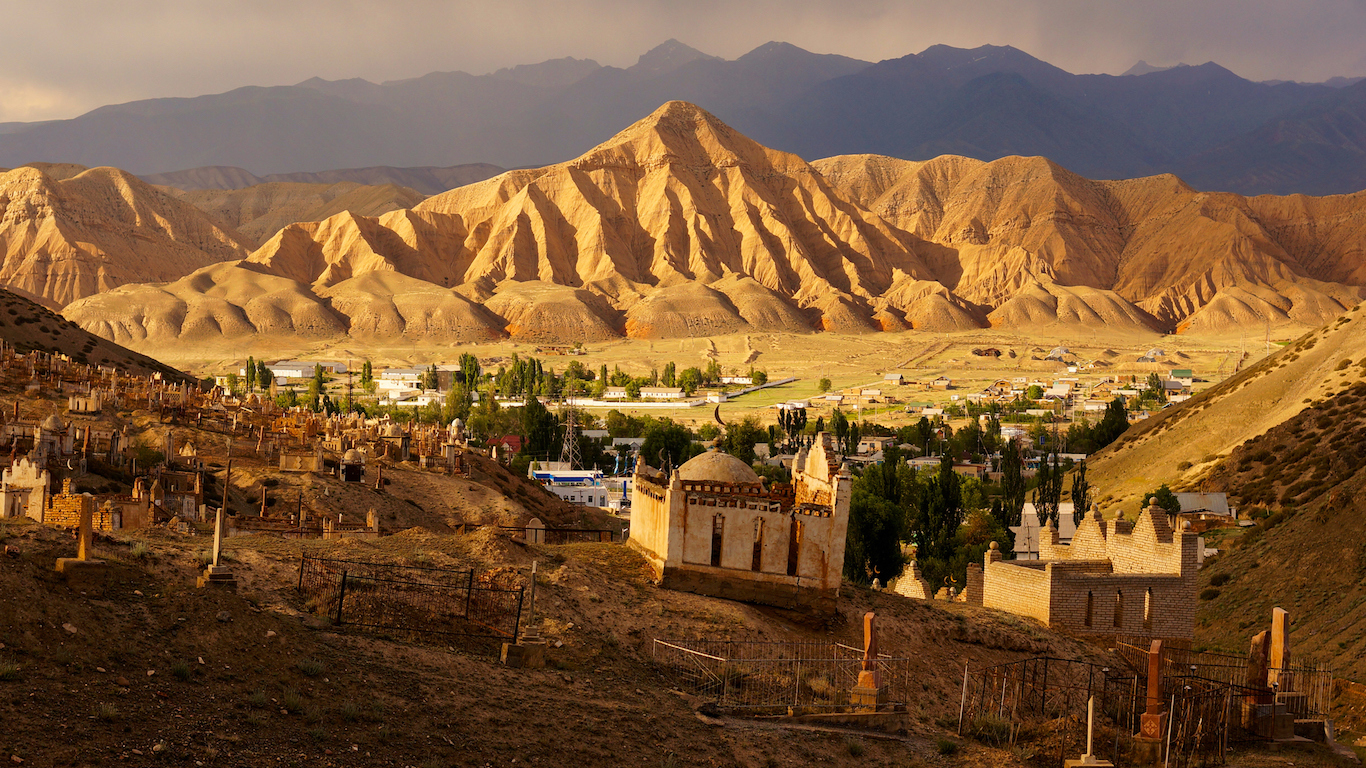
x: 680, y: 225
x: 1215, y: 130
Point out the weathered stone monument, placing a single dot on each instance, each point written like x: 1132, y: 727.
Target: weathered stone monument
x: 529, y: 651
x: 868, y: 692
x: 1089, y: 759
x: 1153, y: 722
x: 217, y: 575
x: 83, y: 569
x: 535, y: 531
x: 1266, y: 713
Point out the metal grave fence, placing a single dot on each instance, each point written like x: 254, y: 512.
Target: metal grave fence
x: 410, y: 599
x: 773, y: 676
x: 1306, y: 689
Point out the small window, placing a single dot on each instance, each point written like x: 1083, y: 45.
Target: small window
x: 1148, y: 609
x: 794, y: 546
x: 1119, y: 607
x: 756, y: 561
x: 1090, y: 607
x: 718, y: 526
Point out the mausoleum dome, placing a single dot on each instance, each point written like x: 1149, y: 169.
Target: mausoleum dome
x: 393, y: 430
x: 353, y: 456
x: 53, y: 424
x: 719, y: 467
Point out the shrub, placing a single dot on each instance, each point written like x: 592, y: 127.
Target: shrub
x: 293, y: 703
x: 257, y: 699
x: 1219, y: 579
x: 310, y: 667
x: 854, y: 746
x: 947, y: 747
x: 107, y: 713
x: 140, y: 550
x: 9, y: 672
x: 1209, y: 594
x: 181, y: 670
x: 1183, y: 466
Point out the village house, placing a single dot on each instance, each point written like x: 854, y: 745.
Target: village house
x: 661, y: 393
x: 712, y: 527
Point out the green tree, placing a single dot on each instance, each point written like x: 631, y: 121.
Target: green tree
x: 1165, y: 499
x: 367, y: 374
x: 823, y: 386
x: 758, y: 377
x: 430, y: 378
x: 839, y: 424
x: 1081, y: 493
x: 935, y: 524
x: 741, y: 437
x: 1114, y: 423
x: 872, y: 546
x: 1155, y: 391
x: 1048, y: 490
x: 1035, y: 392
x: 233, y: 383
x: 1012, y: 489
x: 670, y: 438
x: 670, y: 378
x: 264, y: 377
x: 538, y: 426
x: 251, y: 373
x: 689, y: 380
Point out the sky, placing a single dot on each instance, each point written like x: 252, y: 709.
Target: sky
x: 61, y: 58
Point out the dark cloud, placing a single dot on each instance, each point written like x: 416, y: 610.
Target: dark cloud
x: 62, y: 57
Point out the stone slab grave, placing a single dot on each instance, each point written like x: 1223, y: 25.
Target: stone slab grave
x: 83, y: 570
x: 1089, y: 759
x: 868, y: 692
x: 1148, y: 744
x: 216, y: 575
x: 530, y: 651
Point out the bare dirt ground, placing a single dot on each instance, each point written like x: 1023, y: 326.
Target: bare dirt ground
x: 150, y: 670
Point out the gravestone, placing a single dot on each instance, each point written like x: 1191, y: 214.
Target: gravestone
x: 535, y: 531
x: 1089, y: 759
x: 216, y: 575
x: 868, y: 692
x: 1153, y: 722
x: 83, y: 569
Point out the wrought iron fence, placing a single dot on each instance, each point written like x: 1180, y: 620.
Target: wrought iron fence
x: 775, y: 676
x: 410, y: 599
x: 561, y: 535
x: 1049, y: 689
x: 1306, y: 689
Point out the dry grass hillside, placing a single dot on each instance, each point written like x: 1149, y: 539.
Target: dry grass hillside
x: 1202, y: 261
x: 259, y: 211
x: 27, y: 325
x: 1182, y: 443
x: 1305, y: 483
x: 82, y: 231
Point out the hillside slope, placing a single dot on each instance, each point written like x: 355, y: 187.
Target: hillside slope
x: 259, y: 211
x: 27, y: 325
x: 73, y: 236
x: 1305, y: 481
x: 1183, y: 442
x: 1292, y: 260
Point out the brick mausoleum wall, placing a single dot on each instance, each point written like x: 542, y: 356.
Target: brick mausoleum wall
x: 763, y: 588
x: 1019, y: 589
x: 1171, y: 613
x: 64, y: 511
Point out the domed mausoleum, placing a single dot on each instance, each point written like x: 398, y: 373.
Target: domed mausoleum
x: 714, y: 528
